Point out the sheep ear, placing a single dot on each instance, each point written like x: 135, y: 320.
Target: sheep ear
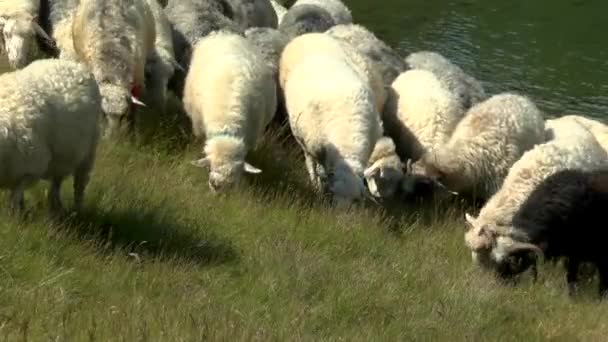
x: 202, y: 163
x: 251, y: 169
x: 470, y: 219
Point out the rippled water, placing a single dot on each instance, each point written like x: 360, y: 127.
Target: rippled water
x: 554, y: 51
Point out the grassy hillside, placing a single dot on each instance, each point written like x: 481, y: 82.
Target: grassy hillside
x: 155, y: 256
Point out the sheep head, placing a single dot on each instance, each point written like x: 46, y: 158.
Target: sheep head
x: 345, y: 186
x: 18, y: 38
x: 225, y: 160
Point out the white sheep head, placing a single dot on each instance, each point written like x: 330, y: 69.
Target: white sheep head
x: 18, y: 39
x: 225, y: 160
x: 345, y: 186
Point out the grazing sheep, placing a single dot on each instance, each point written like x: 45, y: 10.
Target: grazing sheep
x: 469, y: 90
x: 389, y: 62
x: 304, y: 19
x: 560, y: 218
x: 254, y: 13
x: 597, y: 128
x: 304, y: 46
x: 385, y: 171
x: 50, y: 128
x: 279, y: 9
x: 336, y: 8
x: 421, y: 113
x: 573, y: 147
x: 492, y: 136
x: 271, y: 43
x: 230, y: 96
x: 336, y: 123
x: 20, y: 32
x: 192, y: 20
x: 115, y: 38
x: 161, y: 66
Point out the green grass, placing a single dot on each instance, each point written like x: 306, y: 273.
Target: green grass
x: 156, y: 257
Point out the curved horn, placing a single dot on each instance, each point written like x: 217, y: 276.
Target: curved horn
x: 137, y: 102
x: 525, y: 246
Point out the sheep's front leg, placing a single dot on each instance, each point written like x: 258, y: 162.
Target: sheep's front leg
x: 312, y: 167
x: 54, y: 196
x: 602, y: 269
x: 17, y: 199
x: 572, y: 275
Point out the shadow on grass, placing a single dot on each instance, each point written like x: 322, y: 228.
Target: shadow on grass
x: 147, y: 235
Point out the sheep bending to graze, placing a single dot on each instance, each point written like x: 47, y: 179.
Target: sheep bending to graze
x: 469, y: 90
x: 335, y: 121
x: 230, y: 96
x: 20, y: 32
x: 271, y: 43
x: 161, y: 66
x: 254, y: 13
x: 279, y: 9
x: 192, y: 20
x: 573, y: 147
x: 421, y: 113
x: 336, y: 8
x: 115, y: 38
x: 385, y: 171
x: 560, y: 218
x: 597, y: 128
x: 50, y: 128
x: 389, y: 62
x: 304, y: 19
x: 492, y: 136
x: 304, y: 46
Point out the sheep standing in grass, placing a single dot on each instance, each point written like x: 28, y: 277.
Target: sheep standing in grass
x: 333, y: 117
x: 304, y: 19
x: 271, y: 43
x: 336, y: 8
x: 50, y: 128
x: 192, y: 20
x: 254, y: 13
x: 20, y: 32
x: 279, y: 9
x: 389, y: 62
x: 161, y: 66
x: 492, y: 136
x: 597, y: 128
x: 573, y: 147
x: 115, y: 38
x: 421, y: 113
x: 230, y: 97
x: 301, y: 48
x: 469, y: 90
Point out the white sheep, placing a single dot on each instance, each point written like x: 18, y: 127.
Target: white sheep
x: 230, y: 97
x: 492, y: 136
x: 19, y: 29
x: 469, y: 90
x: 49, y: 128
x: 336, y: 8
x: 597, y: 128
x: 115, y: 38
x: 303, y: 47
x: 333, y: 117
x: 421, y: 113
x: 161, y: 66
x: 572, y: 147
x: 279, y: 9
x: 384, y: 173
x: 388, y: 61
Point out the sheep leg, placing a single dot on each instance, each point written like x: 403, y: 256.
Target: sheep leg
x: 81, y: 180
x: 17, y: 198
x: 311, y: 165
x: 602, y: 269
x: 54, y: 196
x: 571, y: 275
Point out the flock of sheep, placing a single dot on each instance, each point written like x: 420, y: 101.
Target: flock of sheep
x: 371, y: 124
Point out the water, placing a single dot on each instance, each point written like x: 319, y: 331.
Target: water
x: 556, y: 52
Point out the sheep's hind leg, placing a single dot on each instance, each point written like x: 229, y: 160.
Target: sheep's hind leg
x: 571, y: 275
x: 17, y: 198
x: 81, y: 180
x: 54, y: 196
x: 602, y: 270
